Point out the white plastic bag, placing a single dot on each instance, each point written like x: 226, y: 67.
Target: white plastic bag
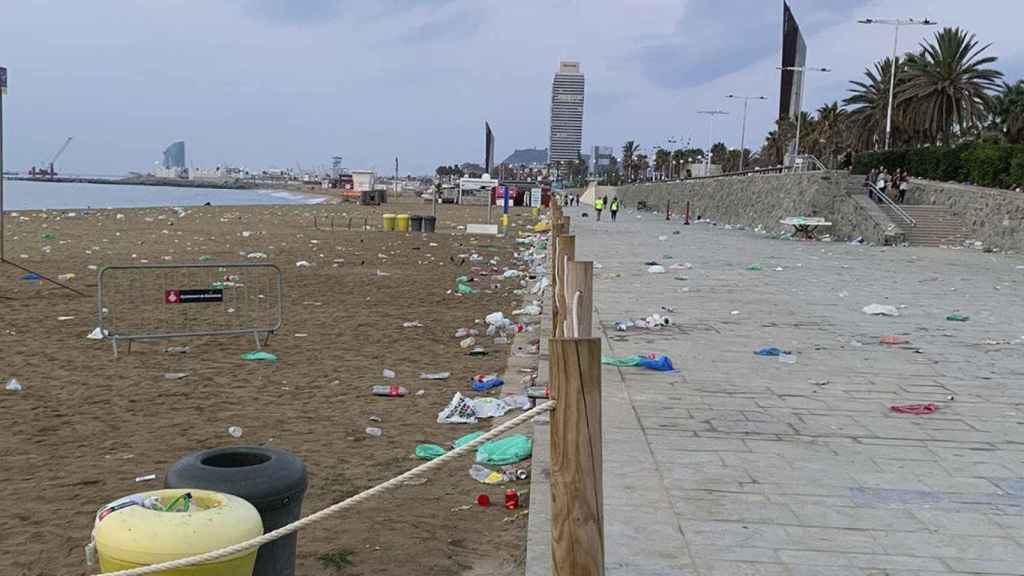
x: 458, y: 411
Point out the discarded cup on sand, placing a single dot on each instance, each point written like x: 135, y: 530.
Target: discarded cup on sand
x: 235, y: 431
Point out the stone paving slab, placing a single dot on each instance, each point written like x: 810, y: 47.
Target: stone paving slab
x: 738, y: 464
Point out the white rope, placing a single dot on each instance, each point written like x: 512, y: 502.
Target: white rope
x: 576, y: 313
x: 333, y: 509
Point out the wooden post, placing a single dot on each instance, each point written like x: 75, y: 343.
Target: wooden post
x: 579, y: 279
x: 566, y: 252
x: 577, y: 489
x: 565, y: 225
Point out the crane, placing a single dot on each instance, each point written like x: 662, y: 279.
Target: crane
x: 48, y: 171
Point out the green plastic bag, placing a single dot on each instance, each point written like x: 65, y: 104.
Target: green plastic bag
x: 958, y: 318
x: 259, y: 356
x: 467, y: 439
x: 465, y: 289
x: 505, y: 451
x: 429, y: 451
x: 754, y: 268
x: 622, y: 362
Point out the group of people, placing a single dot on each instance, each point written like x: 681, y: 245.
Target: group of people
x: 600, y: 204
x: 894, y: 185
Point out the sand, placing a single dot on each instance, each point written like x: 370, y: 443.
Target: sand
x: 86, y: 425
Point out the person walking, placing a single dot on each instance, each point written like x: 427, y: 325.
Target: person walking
x: 598, y: 206
x: 614, y: 208
x: 904, y: 186
x: 872, y: 177
x: 883, y: 179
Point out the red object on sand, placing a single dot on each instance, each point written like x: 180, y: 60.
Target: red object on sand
x: 894, y: 340
x: 915, y: 409
x: 511, y: 499
x: 483, y: 500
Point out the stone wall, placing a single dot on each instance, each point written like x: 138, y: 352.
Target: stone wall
x: 762, y: 201
x: 995, y: 217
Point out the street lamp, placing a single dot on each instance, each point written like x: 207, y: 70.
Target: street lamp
x: 895, y: 23
x: 799, y: 112
x: 743, y: 131
x: 711, y: 128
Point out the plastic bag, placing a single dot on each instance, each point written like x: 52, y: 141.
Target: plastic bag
x: 504, y: 451
x: 483, y: 383
x: 771, y: 351
x: 259, y: 356
x: 429, y: 451
x: 458, y: 411
x: 463, y: 440
x: 661, y: 363
x: 623, y: 362
x: 880, y: 310
x: 490, y: 407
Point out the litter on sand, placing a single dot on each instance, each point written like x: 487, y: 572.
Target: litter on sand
x: 508, y: 450
x: 260, y: 356
x: 14, y: 386
x: 435, y: 375
x: 649, y: 361
x: 958, y: 318
x: 769, y: 351
x: 656, y: 269
x: 880, y: 310
x: 429, y: 451
x: 894, y: 340
x: 914, y: 409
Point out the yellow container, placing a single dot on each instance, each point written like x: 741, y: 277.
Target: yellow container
x: 389, y: 222
x: 129, y: 536
x: 402, y: 223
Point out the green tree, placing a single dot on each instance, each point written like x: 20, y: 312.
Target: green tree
x: 719, y: 154
x: 629, y: 152
x: 830, y: 133
x: 640, y: 165
x: 868, y: 106
x: 1008, y: 112
x: 678, y: 161
x: 948, y: 85
x: 662, y: 162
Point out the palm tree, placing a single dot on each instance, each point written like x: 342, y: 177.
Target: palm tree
x: 831, y: 132
x: 678, y: 159
x: 948, y: 85
x: 641, y: 165
x: 629, y: 150
x: 1008, y: 112
x: 662, y: 161
x: 869, y: 104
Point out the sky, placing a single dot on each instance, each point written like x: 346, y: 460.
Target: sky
x: 286, y: 83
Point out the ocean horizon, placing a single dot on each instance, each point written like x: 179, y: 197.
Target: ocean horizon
x: 23, y: 195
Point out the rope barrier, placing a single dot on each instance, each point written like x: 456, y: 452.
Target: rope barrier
x: 333, y: 509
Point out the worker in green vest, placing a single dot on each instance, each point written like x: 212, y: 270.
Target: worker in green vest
x: 614, y: 208
x: 598, y: 206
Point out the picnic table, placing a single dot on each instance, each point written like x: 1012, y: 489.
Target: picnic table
x: 805, y: 227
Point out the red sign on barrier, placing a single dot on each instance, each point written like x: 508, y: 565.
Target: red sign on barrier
x: 193, y: 296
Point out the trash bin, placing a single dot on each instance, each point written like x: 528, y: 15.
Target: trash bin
x: 416, y: 223
x: 128, y: 534
x: 274, y: 481
x: 429, y: 222
x: 389, y: 222
x: 402, y: 223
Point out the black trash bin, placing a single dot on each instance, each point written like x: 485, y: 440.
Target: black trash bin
x: 429, y: 222
x: 274, y: 481
x: 416, y: 223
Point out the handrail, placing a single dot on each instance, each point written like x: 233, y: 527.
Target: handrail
x: 895, y: 207
x: 814, y: 159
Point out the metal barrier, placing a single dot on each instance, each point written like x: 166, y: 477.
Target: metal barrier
x: 907, y: 218
x: 155, y: 301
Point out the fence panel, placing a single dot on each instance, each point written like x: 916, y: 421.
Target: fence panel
x: 179, y: 300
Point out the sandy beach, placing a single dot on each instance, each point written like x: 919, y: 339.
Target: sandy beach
x: 86, y: 424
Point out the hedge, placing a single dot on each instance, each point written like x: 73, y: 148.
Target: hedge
x: 991, y: 165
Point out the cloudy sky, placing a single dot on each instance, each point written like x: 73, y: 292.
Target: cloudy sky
x: 273, y: 83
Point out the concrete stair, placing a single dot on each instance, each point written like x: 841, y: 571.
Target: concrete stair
x: 934, y: 225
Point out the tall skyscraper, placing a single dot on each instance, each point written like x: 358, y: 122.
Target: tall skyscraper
x: 174, y: 155
x: 566, y: 113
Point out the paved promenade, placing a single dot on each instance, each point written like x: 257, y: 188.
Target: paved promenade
x: 744, y: 465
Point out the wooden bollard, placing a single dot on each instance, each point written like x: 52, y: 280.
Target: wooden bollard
x: 566, y: 252
x: 578, y: 292
x: 577, y: 489
x: 565, y: 225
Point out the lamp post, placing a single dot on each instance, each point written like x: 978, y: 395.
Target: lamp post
x: 711, y: 128
x: 743, y: 130
x: 895, y: 23
x: 799, y: 112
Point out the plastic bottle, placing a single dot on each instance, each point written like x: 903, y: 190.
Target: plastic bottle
x: 388, y: 373
x: 374, y: 431
x: 538, y: 392
x: 392, y: 390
